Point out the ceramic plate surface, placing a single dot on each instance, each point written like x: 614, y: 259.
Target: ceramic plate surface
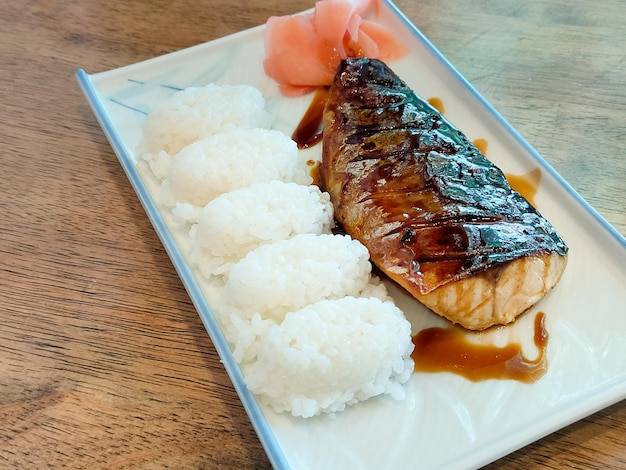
x: 446, y: 421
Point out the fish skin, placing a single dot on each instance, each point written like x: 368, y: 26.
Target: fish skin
x: 430, y: 208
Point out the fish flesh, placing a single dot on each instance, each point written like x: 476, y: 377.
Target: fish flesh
x: 436, y: 215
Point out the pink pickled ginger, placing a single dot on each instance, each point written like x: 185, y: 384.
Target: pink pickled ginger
x: 302, y: 52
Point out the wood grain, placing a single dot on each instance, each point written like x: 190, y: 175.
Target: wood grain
x: 104, y: 362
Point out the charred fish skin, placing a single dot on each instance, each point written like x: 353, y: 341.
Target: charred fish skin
x: 412, y: 187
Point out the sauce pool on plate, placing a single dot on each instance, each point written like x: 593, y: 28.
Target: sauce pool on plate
x: 527, y: 184
x: 437, y: 103
x: 310, y: 129
x: 481, y: 144
x: 449, y: 350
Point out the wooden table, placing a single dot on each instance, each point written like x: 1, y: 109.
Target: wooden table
x: 104, y: 362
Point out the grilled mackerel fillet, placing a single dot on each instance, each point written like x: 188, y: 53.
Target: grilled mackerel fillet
x: 437, y: 217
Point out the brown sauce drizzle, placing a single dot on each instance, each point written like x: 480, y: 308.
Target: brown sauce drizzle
x: 527, y: 184
x: 314, y: 171
x: 437, y: 103
x: 481, y: 144
x: 448, y: 350
x: 310, y: 128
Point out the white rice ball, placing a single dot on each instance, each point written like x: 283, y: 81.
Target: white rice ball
x: 332, y: 354
x: 287, y: 275
x: 195, y: 113
x: 246, y: 336
x: 241, y: 220
x: 223, y: 162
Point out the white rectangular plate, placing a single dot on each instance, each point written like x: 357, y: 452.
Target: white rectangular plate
x: 445, y: 421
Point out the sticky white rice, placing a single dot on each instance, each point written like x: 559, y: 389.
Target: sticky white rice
x: 331, y: 354
x: 241, y: 220
x: 310, y: 326
x: 290, y: 274
x: 195, y: 113
x: 235, y: 159
x: 245, y: 334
